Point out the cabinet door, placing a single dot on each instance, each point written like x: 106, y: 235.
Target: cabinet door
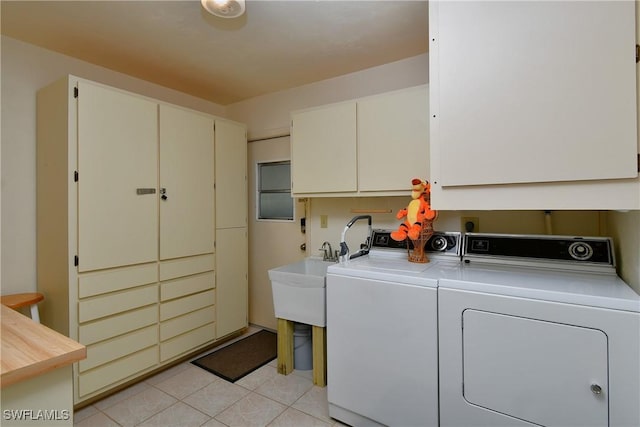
x: 231, y: 174
x: 117, y: 154
x: 393, y: 140
x: 231, y: 280
x: 186, y: 173
x: 532, y: 92
x: 323, y: 150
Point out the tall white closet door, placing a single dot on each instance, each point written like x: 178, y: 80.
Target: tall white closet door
x: 231, y: 173
x: 117, y: 155
x: 231, y: 280
x: 187, y: 177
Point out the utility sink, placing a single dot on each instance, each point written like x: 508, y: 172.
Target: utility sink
x: 299, y: 291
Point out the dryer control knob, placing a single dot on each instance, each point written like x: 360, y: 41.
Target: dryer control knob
x: 580, y: 251
x: 596, y: 389
x: 439, y: 243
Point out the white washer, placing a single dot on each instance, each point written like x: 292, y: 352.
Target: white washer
x: 382, y: 353
x: 538, y: 331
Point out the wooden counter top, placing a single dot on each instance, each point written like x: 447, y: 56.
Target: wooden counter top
x: 29, y: 349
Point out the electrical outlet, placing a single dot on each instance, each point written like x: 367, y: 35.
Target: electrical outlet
x: 324, y: 220
x: 470, y: 224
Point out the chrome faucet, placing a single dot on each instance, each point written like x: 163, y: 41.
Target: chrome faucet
x: 344, y: 255
x: 327, y: 255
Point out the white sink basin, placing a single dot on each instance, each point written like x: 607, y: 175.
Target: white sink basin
x: 299, y: 291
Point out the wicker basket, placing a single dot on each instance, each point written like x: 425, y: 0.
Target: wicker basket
x: 417, y: 253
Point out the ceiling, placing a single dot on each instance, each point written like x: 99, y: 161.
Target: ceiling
x: 274, y: 46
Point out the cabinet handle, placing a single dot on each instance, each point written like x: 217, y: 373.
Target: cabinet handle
x: 596, y: 389
x: 142, y: 191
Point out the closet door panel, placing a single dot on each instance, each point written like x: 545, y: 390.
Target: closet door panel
x: 231, y: 175
x: 231, y: 281
x: 187, y: 174
x: 117, y: 155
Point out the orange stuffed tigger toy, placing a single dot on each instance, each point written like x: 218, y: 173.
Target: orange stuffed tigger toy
x: 416, y: 213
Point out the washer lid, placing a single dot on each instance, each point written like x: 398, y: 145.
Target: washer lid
x: 394, y: 267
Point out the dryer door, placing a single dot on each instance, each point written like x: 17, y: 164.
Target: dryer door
x: 537, y: 371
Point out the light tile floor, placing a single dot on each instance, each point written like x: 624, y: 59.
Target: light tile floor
x: 186, y: 395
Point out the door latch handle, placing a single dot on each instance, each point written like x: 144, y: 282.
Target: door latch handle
x: 142, y: 191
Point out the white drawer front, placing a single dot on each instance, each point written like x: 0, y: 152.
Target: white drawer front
x: 102, y: 282
x: 104, y: 352
x: 186, y: 286
x: 117, y: 325
x: 108, y: 305
x: 112, y: 373
x: 186, y: 266
x: 187, y: 342
x: 182, y: 324
x: 178, y: 307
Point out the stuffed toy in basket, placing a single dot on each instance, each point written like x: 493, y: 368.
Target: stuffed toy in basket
x: 418, y: 220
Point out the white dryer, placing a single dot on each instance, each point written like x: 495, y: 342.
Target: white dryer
x: 382, y: 353
x: 538, y: 330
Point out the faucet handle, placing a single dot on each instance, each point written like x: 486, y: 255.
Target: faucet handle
x: 324, y: 253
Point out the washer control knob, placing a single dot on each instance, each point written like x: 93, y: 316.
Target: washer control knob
x: 580, y: 251
x: 439, y: 243
x: 596, y: 389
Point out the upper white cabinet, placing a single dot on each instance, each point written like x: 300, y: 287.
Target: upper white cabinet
x: 369, y: 146
x: 186, y: 183
x: 323, y: 149
x: 393, y: 140
x: 117, y: 148
x: 231, y: 174
x: 533, y: 105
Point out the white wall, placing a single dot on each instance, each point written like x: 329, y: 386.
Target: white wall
x: 624, y: 228
x: 25, y: 69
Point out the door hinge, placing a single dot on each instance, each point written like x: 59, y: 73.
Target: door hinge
x: 75, y: 261
x: 75, y: 176
x: 637, y: 53
x: 638, y: 162
x: 75, y: 92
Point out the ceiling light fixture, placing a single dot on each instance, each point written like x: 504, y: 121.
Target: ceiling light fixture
x: 224, y: 8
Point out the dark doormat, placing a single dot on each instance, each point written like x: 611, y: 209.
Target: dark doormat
x: 242, y: 357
